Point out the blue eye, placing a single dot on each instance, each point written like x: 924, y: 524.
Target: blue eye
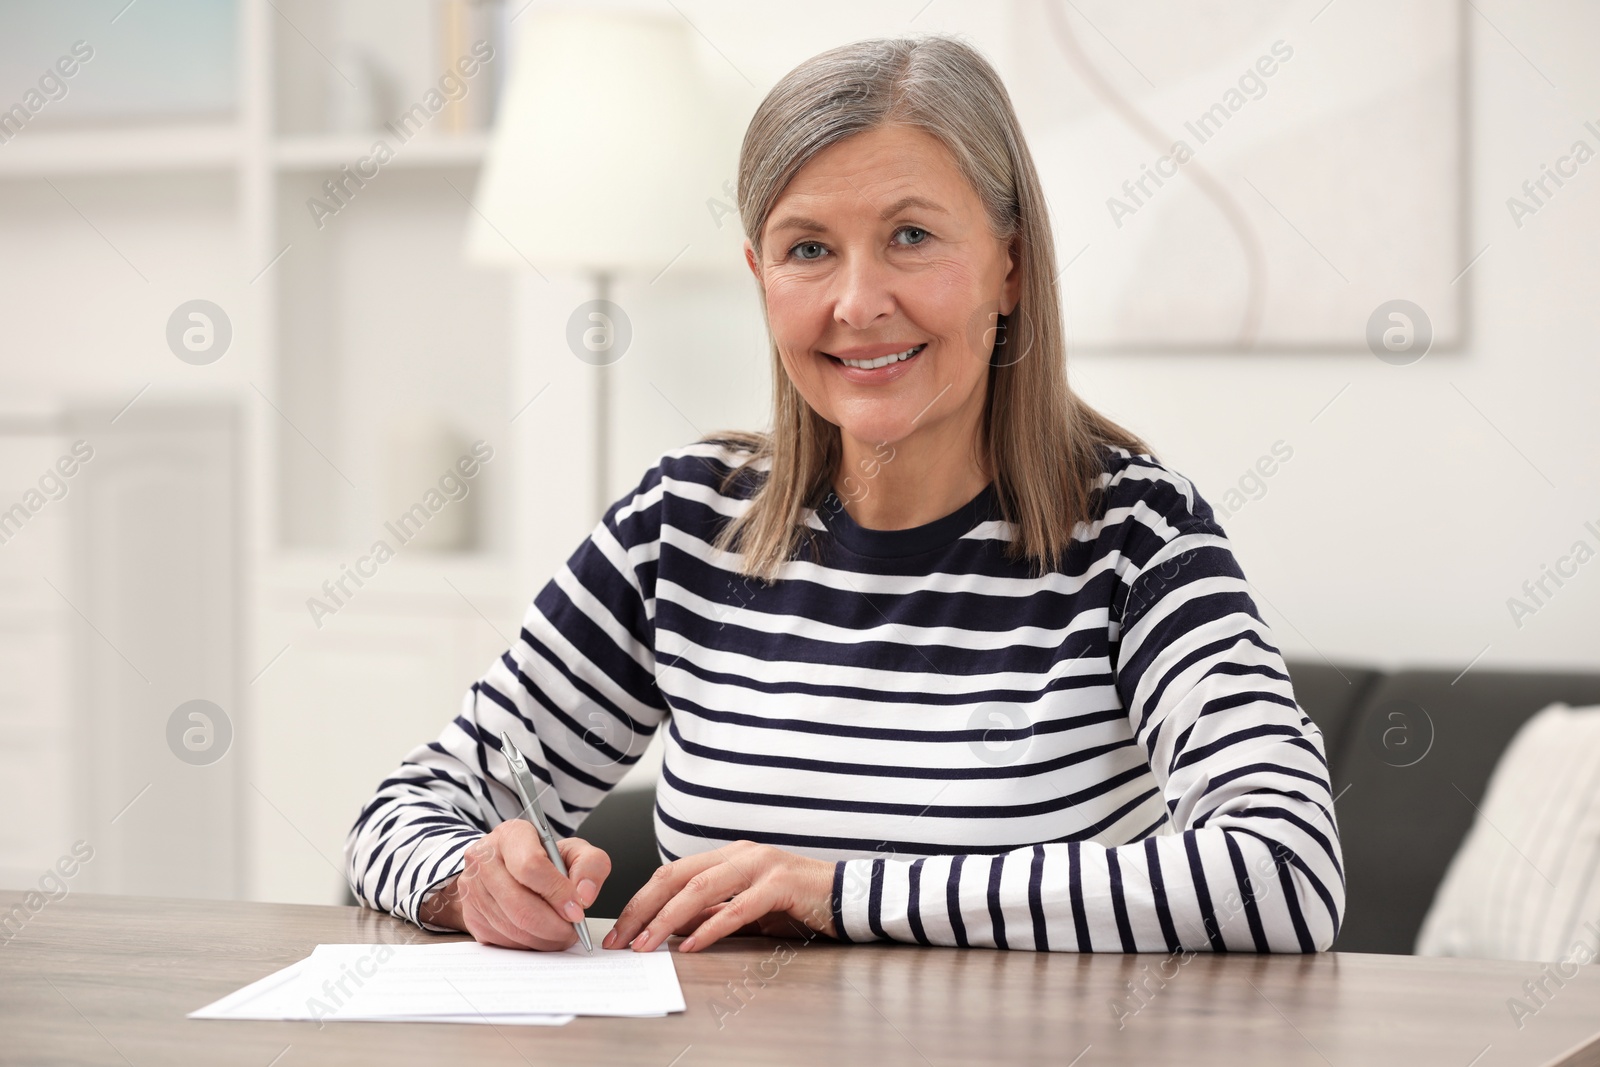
x: 807, y: 244
x: 913, y: 229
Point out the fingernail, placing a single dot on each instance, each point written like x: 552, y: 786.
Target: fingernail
x: 610, y: 939
x: 571, y: 910
x: 587, y: 891
x: 642, y: 942
x: 687, y: 946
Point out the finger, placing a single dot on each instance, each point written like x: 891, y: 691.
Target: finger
x: 521, y: 908
x: 662, y: 887
x: 588, y: 866
x: 481, y: 913
x: 743, y: 857
x: 714, y: 885
x: 750, y: 929
x: 488, y: 924
x: 481, y: 930
x: 527, y: 862
x: 513, y: 936
x: 689, y: 925
x: 746, y: 908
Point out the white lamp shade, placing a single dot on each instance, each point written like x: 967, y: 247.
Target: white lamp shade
x: 608, y: 153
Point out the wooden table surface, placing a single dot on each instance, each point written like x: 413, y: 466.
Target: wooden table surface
x: 103, y: 979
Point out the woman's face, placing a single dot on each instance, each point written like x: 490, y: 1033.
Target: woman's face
x: 878, y: 246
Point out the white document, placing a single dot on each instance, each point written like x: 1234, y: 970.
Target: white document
x: 458, y: 982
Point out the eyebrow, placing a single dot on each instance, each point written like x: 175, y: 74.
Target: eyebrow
x: 810, y: 225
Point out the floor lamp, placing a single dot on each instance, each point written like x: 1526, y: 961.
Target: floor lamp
x: 606, y: 151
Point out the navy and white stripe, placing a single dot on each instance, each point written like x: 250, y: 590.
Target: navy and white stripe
x: 1107, y: 757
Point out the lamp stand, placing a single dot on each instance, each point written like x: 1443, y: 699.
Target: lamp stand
x: 602, y: 414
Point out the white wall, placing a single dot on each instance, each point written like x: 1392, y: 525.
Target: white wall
x: 1414, y: 505
x: 1407, y: 516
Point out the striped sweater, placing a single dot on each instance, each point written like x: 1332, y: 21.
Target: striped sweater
x: 1105, y: 757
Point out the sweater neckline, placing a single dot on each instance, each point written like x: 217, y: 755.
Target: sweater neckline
x: 912, y: 540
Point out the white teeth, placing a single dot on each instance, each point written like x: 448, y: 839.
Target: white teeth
x: 883, y: 361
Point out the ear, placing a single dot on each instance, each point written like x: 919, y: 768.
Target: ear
x: 750, y: 259
x: 1011, y: 288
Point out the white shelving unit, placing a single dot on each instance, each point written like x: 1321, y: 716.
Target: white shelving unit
x: 338, y: 331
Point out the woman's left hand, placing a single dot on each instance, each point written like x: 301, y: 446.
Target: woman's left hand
x: 739, y: 888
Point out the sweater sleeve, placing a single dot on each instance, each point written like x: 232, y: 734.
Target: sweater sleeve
x: 576, y: 693
x: 1249, y: 859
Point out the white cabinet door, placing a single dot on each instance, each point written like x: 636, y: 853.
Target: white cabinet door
x: 154, y: 564
x: 37, y: 799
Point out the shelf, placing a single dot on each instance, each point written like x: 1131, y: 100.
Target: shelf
x: 169, y: 149
x: 124, y: 150
x: 332, y: 151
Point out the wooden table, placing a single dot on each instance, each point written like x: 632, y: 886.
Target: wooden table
x: 101, y: 979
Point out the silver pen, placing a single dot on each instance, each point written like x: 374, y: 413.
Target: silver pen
x: 528, y: 790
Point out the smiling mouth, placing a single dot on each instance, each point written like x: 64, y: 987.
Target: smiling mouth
x: 881, y: 361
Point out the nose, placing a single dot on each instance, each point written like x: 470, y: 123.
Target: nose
x: 861, y: 294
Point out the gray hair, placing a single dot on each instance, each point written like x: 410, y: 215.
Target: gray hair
x: 938, y: 84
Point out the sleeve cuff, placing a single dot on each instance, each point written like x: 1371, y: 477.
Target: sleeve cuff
x: 412, y: 905
x: 858, y: 899
x: 836, y: 902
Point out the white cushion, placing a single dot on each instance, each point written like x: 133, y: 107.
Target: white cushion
x: 1526, y: 879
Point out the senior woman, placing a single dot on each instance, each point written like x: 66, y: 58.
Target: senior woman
x: 945, y: 657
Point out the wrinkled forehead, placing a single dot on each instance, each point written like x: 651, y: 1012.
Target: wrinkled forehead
x: 872, y: 177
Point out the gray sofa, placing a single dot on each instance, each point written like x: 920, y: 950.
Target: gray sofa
x: 1410, y: 753
x: 1402, y: 814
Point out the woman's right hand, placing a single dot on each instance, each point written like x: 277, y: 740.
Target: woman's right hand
x: 508, y: 893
